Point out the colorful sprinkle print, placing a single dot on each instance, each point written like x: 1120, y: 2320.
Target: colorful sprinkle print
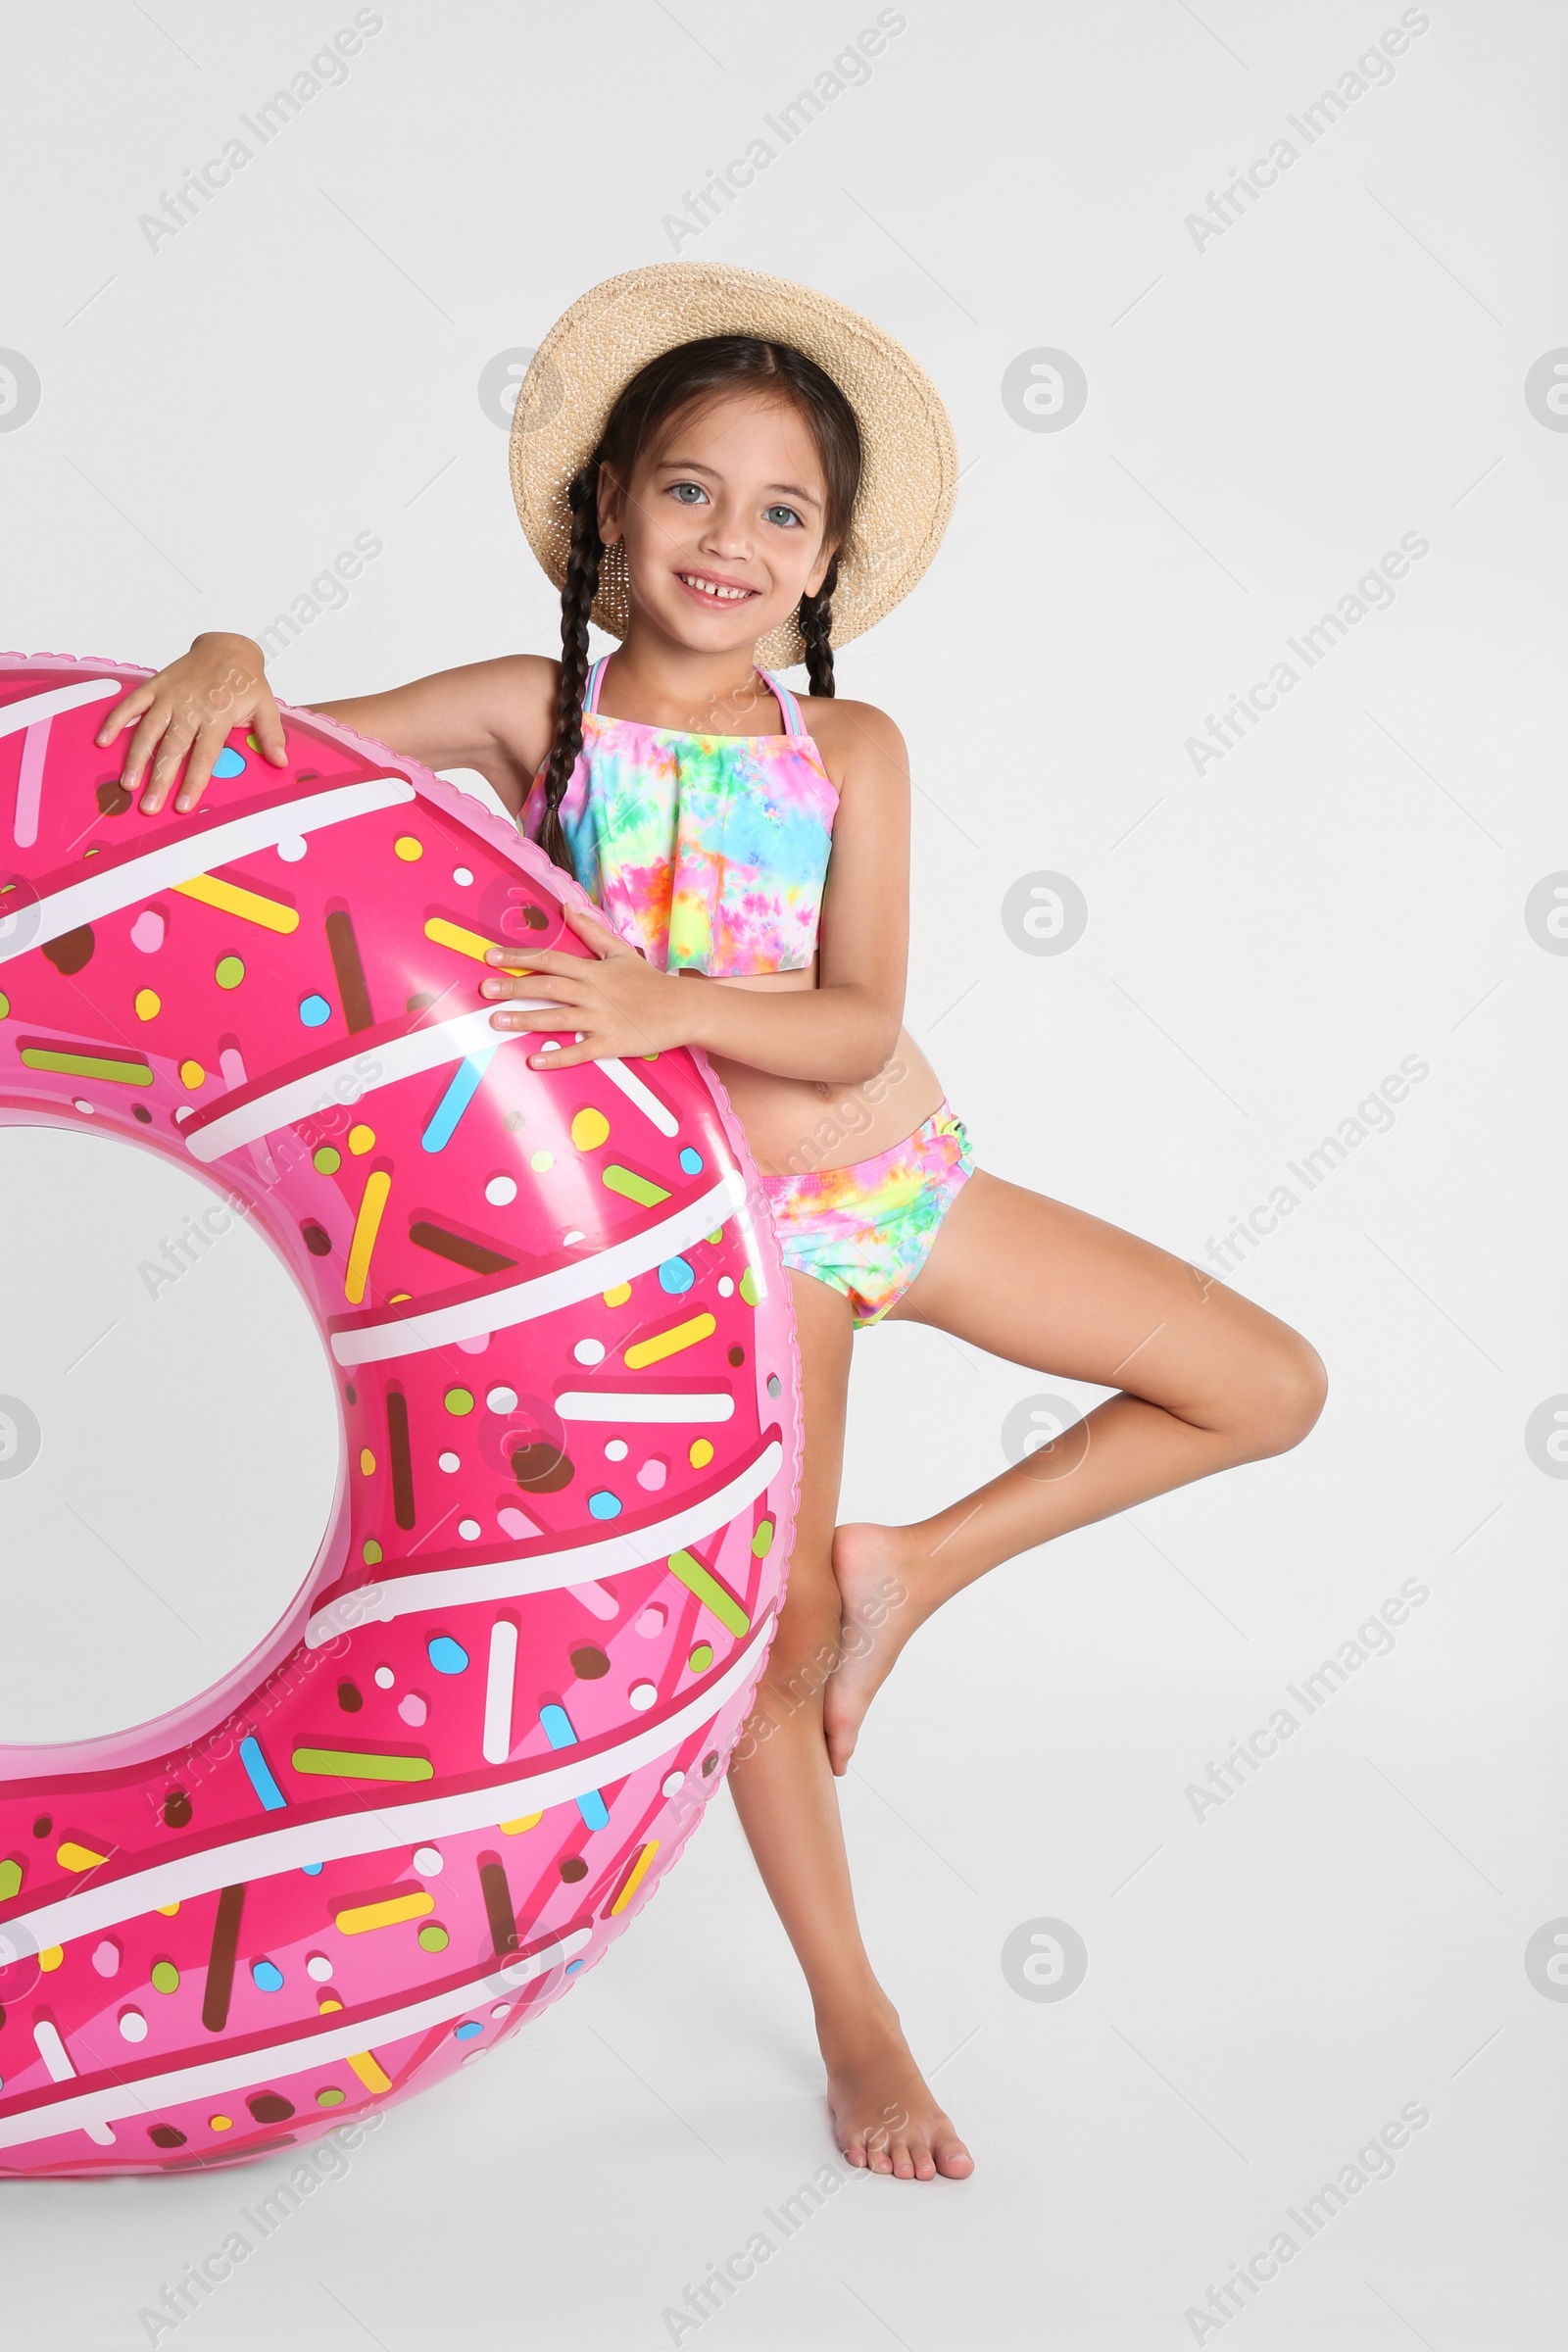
x: 564, y: 1370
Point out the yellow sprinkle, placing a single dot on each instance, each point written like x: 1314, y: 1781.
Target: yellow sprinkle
x: 362, y: 1916
x: 589, y: 1129
x: 167, y: 1910
x: 639, y: 1873
x: 465, y: 942
x: 670, y: 1342
x: 247, y: 904
x: 72, y: 1856
x: 192, y: 1075
x: 524, y: 1821
x: 366, y: 1225
x: 618, y: 1296
x: 370, y: 2072
x: 362, y: 1138
x: 407, y: 849
x: 541, y: 1161
x: 52, y: 1958
x: 149, y: 1004
x: 328, y: 2001
x: 221, y: 2122
x: 700, y: 1454
x: 367, y: 1461
x: 398, y: 1298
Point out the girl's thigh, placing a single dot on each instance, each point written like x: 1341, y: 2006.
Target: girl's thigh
x: 813, y: 1608
x: 1050, y: 1286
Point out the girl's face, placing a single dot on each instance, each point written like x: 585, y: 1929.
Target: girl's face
x: 722, y: 523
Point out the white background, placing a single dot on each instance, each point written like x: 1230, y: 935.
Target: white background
x: 1267, y: 415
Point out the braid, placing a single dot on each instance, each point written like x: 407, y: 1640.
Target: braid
x: 815, y: 621
x: 577, y: 595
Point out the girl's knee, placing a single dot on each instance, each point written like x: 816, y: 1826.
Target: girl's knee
x: 1282, y: 1393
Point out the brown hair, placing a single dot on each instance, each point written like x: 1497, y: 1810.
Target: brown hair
x: 679, y: 379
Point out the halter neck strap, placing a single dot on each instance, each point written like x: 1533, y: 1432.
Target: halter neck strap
x: 790, y: 709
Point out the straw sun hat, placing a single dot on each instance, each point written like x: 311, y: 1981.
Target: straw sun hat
x: 911, y: 459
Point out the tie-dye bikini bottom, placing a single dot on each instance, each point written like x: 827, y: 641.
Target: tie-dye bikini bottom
x: 867, y: 1229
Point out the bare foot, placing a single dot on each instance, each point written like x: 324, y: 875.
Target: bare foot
x: 874, y: 1569
x: 885, y: 2117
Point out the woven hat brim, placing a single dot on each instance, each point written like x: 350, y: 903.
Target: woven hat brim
x: 909, y: 473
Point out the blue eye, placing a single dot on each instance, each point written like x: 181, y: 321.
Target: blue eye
x: 679, y: 490
x: 785, y: 516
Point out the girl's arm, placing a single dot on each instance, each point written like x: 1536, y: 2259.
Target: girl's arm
x: 845, y: 1028
x: 493, y: 716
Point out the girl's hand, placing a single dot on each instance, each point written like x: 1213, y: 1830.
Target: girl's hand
x: 189, y: 708
x: 618, y: 1005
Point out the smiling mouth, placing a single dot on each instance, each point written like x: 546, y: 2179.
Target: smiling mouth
x: 716, y: 592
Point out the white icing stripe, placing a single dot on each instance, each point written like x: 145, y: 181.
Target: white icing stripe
x: 103, y: 893
x: 381, y: 1342
x: 546, y: 1571
x: 641, y: 1404
x: 500, y: 1676
x: 405, y: 1057
x: 372, y: 1821
x: 634, y: 1089
x: 91, y: 2110
x: 35, y: 708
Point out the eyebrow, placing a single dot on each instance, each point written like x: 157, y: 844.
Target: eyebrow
x: 693, y: 465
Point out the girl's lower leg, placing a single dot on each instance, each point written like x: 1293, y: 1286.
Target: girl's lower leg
x: 885, y: 2116
x: 1209, y: 1381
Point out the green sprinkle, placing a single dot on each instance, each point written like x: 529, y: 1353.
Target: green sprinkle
x: 165, y: 1977
x: 329, y: 2095
x: 352, y: 1764
x: 710, y: 1591
x: 86, y: 1065
x: 433, y: 1937
x: 5, y: 1005
x: 325, y: 1162
x: 458, y: 1402
x: 700, y: 1659
x: 749, y: 1289
x: 230, y: 971
x: 617, y: 1179
x: 762, y: 1541
x: 372, y: 1553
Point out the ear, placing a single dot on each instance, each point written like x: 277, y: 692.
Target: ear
x: 612, y: 505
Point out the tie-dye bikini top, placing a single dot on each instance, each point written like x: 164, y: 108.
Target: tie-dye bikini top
x: 708, y: 851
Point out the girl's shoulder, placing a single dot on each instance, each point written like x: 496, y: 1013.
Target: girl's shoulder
x: 855, y: 740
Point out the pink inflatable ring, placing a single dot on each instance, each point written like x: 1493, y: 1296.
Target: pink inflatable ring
x: 566, y: 1357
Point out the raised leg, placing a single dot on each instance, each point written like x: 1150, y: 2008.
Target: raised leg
x: 883, y: 2113
x: 1206, y: 1379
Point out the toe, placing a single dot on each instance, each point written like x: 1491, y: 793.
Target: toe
x: 924, y: 2163
x: 902, y: 2161
x: 953, y: 2159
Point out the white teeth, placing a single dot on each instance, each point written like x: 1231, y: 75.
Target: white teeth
x: 729, y: 596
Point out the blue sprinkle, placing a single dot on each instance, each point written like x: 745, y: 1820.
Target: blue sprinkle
x: 603, y: 1504
x: 675, y: 1275
x: 313, y: 1010
x: 455, y: 1101
x: 312, y: 1870
x: 260, y: 1775
x: 466, y: 2031
x: 691, y: 1162
x: 446, y: 1655
x: 266, y: 1975
x: 591, y: 1805
x: 573, y: 1967
x: 228, y: 763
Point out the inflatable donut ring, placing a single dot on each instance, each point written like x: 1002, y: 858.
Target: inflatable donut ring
x: 565, y: 1352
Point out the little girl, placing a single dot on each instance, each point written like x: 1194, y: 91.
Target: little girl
x: 719, y: 466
